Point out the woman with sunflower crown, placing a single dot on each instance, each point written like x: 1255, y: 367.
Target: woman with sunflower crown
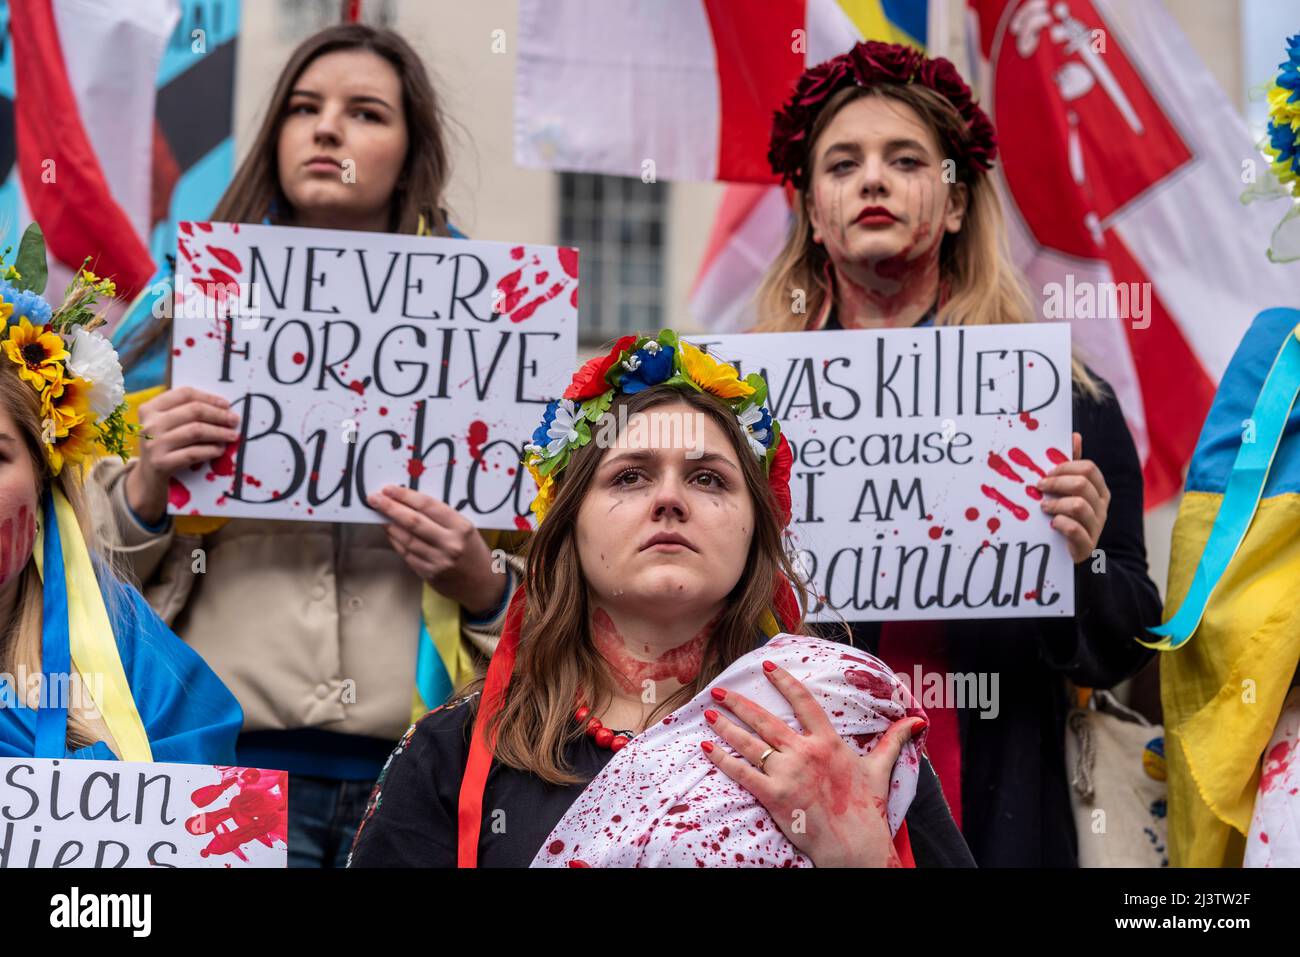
x: 87, y: 670
x: 897, y: 224
x: 652, y: 701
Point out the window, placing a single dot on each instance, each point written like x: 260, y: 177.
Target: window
x: 617, y: 223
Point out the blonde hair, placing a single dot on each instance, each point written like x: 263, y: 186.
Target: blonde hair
x: 978, y: 282
x: 20, y: 638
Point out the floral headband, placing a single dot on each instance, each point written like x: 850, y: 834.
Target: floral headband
x: 1283, y: 147
x: 868, y: 64
x: 639, y: 362
x: 74, y: 371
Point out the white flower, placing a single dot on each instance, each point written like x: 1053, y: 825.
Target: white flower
x: 749, y: 417
x: 651, y: 347
x: 631, y: 363
x: 563, y: 430
x: 94, y: 359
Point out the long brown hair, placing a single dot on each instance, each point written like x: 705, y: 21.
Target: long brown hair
x: 417, y: 200
x: 979, y: 283
x: 556, y: 662
x: 20, y: 638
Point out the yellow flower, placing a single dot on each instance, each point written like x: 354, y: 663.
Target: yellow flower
x: 713, y: 376
x: 6, y: 310
x: 545, y: 494
x: 39, y: 354
x: 66, y: 402
x: 79, y: 445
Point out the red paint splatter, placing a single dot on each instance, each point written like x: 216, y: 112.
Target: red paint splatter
x: 357, y: 386
x: 299, y: 358
x: 177, y: 494
x: 870, y: 682
x: 517, y: 252
x: 678, y: 809
x: 1020, y: 458
x: 187, y: 229
x: 17, y: 536
x: 999, y: 465
x: 936, y: 532
x: 1057, y: 457
x: 259, y: 811
x: 415, y: 468
x: 224, y: 464
x: 555, y: 847
x: 226, y: 258
x: 1029, y: 421
x: 1018, y: 511
x: 568, y: 260
x: 1033, y: 492
x: 189, y: 341
x: 521, y: 523
x: 1031, y: 595
x: 206, y: 227
x: 861, y: 661
x: 478, y: 434
x: 972, y: 514
x: 994, y: 524
x: 383, y: 410
x: 1276, y: 763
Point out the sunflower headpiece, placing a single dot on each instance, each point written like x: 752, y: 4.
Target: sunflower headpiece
x: 73, y: 369
x: 639, y: 362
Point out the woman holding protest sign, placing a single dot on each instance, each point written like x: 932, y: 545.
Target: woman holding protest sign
x: 87, y: 670
x: 332, y: 636
x: 652, y: 701
x: 897, y: 224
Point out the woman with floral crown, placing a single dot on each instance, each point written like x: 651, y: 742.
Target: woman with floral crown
x: 87, y: 670
x: 652, y: 701
x: 897, y: 223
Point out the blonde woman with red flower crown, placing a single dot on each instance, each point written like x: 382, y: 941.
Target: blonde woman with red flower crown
x: 897, y: 223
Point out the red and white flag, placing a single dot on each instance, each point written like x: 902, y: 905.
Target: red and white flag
x: 678, y: 89
x: 84, y: 78
x: 1122, y: 160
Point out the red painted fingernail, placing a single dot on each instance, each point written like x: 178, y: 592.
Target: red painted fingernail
x: 707, y: 746
x: 769, y: 667
x: 919, y: 727
x: 710, y: 715
x: 718, y: 694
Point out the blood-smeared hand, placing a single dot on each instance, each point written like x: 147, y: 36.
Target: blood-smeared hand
x: 1078, y: 500
x: 179, y: 428
x: 825, y: 796
x: 441, y: 546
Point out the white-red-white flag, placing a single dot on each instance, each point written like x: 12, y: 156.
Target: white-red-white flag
x: 84, y: 79
x: 680, y: 89
x: 1122, y: 161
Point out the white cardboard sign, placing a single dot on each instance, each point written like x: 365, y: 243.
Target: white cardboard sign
x: 106, y: 814
x: 361, y: 359
x: 916, y: 453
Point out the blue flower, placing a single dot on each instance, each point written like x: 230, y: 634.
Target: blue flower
x: 651, y: 369
x: 26, y: 303
x: 540, y: 438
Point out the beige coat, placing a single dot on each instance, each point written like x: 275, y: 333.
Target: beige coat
x: 310, y: 625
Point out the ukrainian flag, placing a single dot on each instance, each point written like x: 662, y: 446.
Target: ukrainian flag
x: 1234, y: 580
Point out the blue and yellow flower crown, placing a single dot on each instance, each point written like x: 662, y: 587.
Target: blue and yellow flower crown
x: 1284, y: 119
x: 74, y: 371
x: 636, y: 363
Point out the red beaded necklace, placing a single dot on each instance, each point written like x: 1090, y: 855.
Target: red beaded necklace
x: 603, y: 736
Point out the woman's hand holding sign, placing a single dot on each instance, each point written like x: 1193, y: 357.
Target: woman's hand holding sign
x: 441, y: 546
x: 178, y: 428
x: 1078, y: 500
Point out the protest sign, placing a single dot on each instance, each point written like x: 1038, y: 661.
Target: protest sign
x: 360, y: 359
x: 64, y: 813
x: 916, y: 455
